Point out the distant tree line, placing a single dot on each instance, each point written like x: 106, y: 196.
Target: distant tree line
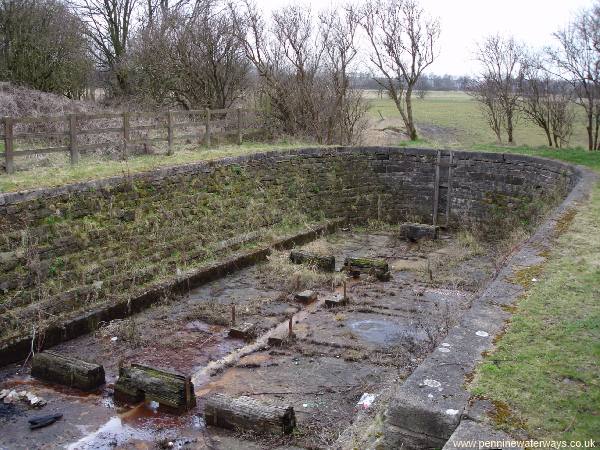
x: 427, y: 82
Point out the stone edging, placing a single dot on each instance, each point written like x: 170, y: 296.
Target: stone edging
x: 428, y: 407
x: 18, y: 349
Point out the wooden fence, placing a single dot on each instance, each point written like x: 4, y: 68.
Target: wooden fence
x: 72, y: 133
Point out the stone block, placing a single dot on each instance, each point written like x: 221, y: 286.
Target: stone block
x: 416, y: 231
x: 371, y: 266
x: 306, y: 296
x: 247, y: 413
x: 246, y: 331
x: 338, y: 300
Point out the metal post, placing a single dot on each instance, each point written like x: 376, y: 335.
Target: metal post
x: 207, y: 126
x: 170, y: 131
x: 232, y: 314
x: 8, y: 145
x: 290, y: 330
x: 73, y: 139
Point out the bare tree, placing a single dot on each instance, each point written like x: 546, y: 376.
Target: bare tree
x: 207, y: 65
x: 110, y: 24
x: 577, y: 57
x: 338, y: 31
x: 189, y: 57
x: 501, y: 62
x: 43, y: 46
x: 403, y: 41
x: 484, y: 90
x: 302, y: 68
x: 546, y: 102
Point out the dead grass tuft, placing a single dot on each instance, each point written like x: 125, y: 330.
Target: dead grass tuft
x: 279, y: 271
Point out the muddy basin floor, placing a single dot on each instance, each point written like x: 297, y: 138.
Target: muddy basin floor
x: 337, y: 355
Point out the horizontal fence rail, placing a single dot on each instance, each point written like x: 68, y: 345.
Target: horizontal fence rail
x: 74, y: 131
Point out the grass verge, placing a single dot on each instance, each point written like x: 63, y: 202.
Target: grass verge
x: 543, y: 375
x: 93, y: 168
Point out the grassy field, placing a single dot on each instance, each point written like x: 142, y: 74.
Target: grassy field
x: 453, y: 119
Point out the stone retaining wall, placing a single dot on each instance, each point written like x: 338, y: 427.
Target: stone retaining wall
x: 67, y: 248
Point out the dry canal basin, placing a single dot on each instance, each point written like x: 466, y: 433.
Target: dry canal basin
x: 338, y: 353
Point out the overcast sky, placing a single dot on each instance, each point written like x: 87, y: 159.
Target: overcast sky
x: 464, y: 22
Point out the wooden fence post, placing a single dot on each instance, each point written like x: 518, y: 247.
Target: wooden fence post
x: 207, y: 126
x: 125, y: 134
x: 170, y: 131
x: 8, y: 145
x: 73, y: 139
x: 239, y: 126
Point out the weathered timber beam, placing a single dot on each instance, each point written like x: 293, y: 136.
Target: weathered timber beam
x: 68, y: 371
x: 172, y: 391
x: 323, y: 263
x: 247, y: 413
x: 372, y: 266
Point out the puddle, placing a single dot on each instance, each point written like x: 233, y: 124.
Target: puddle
x: 110, y: 435
x: 383, y: 332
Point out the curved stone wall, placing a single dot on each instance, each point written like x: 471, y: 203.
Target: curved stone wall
x: 89, y: 243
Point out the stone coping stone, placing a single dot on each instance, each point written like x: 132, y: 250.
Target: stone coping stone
x: 470, y: 430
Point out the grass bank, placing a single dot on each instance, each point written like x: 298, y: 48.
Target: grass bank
x: 93, y: 167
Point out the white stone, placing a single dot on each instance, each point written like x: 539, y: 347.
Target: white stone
x: 482, y: 333
x: 432, y: 383
x: 444, y: 350
x: 452, y: 412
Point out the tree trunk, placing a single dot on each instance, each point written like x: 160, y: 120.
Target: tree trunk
x: 597, y: 125
x: 509, y: 126
x: 410, y: 124
x: 549, y: 136
x: 590, y: 117
x: 247, y: 413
